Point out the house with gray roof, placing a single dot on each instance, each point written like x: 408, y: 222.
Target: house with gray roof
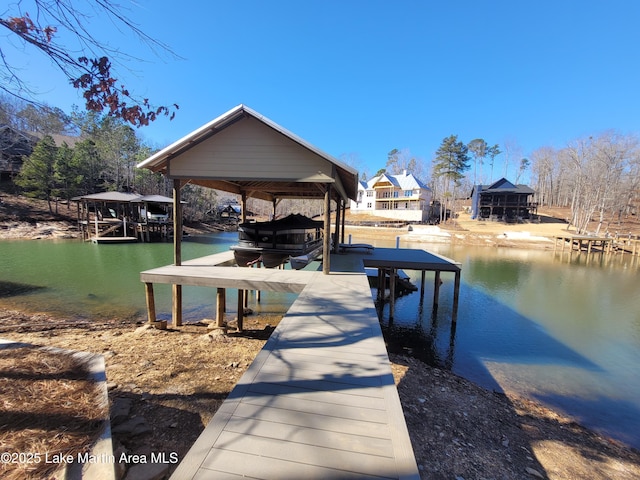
x: 503, y: 201
x: 400, y: 197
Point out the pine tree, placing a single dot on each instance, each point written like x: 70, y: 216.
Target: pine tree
x: 37, y: 173
x: 451, y: 161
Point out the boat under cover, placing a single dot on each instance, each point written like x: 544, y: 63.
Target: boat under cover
x: 275, y: 241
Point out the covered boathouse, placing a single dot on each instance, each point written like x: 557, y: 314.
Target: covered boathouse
x: 319, y: 400
x: 121, y: 217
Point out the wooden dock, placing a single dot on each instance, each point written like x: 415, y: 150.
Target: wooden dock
x: 591, y: 244
x: 586, y: 243
x: 319, y: 400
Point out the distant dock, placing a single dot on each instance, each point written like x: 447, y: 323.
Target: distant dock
x: 599, y: 244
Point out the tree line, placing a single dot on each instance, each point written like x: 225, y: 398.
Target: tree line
x: 597, y: 177
x: 94, y: 153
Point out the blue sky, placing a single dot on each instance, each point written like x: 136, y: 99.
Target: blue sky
x: 358, y: 78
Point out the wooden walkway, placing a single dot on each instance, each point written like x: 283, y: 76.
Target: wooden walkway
x: 319, y: 401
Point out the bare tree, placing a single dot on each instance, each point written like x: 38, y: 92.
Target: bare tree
x: 41, y: 26
x: 601, y: 170
x: 544, y: 180
x: 478, y: 149
x: 512, y: 151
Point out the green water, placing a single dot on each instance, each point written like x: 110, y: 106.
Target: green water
x: 79, y: 280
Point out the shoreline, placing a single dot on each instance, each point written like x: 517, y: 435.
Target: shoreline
x: 457, y: 428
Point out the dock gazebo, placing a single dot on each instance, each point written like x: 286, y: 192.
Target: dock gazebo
x: 245, y: 153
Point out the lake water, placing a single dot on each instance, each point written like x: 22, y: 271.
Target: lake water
x: 563, y: 331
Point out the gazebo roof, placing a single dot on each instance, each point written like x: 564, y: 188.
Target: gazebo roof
x: 243, y: 152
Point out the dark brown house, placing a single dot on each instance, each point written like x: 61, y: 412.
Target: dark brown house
x: 14, y: 146
x: 502, y: 201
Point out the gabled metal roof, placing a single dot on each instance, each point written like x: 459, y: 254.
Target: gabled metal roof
x: 109, y: 197
x: 503, y: 186
x: 344, y: 178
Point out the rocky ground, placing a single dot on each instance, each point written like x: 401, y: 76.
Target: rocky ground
x: 164, y: 386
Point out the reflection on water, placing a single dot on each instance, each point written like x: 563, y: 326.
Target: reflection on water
x: 562, y: 329
x: 87, y: 281
x: 564, y: 332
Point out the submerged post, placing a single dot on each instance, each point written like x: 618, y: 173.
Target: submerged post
x: 436, y: 291
x: 456, y: 295
x: 392, y: 292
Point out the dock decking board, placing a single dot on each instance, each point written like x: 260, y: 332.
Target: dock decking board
x: 319, y: 400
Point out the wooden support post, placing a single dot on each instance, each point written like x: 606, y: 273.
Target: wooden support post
x: 220, y: 307
x: 422, y: 279
x: 177, y: 223
x: 326, y: 244
x: 151, y: 303
x: 243, y: 207
x: 392, y: 292
x: 241, y: 294
x: 258, y: 293
x: 336, y: 243
x: 456, y: 297
x: 344, y: 214
x: 436, y: 290
x: 176, y: 312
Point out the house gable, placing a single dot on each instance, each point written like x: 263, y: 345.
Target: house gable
x: 502, y: 184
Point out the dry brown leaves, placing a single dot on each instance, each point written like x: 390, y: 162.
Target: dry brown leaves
x: 49, y: 405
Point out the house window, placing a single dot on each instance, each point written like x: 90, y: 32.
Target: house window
x: 408, y: 193
x: 369, y: 205
x: 369, y: 193
x: 395, y: 194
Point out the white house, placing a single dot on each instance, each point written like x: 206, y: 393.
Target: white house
x: 400, y: 197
